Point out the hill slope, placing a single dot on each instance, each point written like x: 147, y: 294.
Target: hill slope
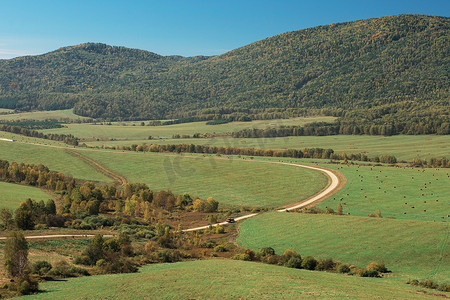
x: 372, y: 69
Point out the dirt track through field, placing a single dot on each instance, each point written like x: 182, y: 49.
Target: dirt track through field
x: 118, y: 179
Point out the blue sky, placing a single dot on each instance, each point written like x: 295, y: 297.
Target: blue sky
x: 175, y: 27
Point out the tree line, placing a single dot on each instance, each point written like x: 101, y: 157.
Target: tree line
x: 291, y: 153
x: 412, y: 127
x: 66, y: 138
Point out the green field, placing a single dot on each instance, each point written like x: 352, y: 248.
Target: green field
x: 31, y: 140
x: 12, y: 194
x: 54, y: 158
x: 226, y: 279
x: 5, y: 110
x: 231, y: 182
x: 389, y: 188
x: 117, y: 131
x: 404, y: 147
x: 61, y: 115
x: 418, y: 249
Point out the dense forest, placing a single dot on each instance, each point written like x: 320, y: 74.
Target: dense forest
x: 378, y: 70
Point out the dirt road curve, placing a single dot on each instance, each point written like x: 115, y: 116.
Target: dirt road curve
x: 334, y: 185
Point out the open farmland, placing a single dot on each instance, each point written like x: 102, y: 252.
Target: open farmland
x: 234, y: 182
x: 403, y: 193
x: 12, y: 194
x: 404, y: 147
x: 55, y: 159
x: 119, y: 131
x: 225, y: 279
x: 418, y: 249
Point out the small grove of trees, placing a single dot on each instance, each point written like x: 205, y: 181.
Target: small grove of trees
x: 16, y: 264
x: 292, y: 259
x: 109, y: 256
x: 208, y: 205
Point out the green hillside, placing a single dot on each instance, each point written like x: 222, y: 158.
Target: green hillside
x: 226, y: 279
x: 376, y: 70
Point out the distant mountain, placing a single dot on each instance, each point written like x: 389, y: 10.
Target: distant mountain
x: 376, y: 70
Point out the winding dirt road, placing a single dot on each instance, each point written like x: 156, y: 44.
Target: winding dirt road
x: 336, y: 182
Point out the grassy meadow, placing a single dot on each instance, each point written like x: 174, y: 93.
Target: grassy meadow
x: 12, y: 194
x: 402, y: 193
x: 225, y: 279
x: 126, y: 130
x: 234, y: 182
x: 410, y: 248
x: 55, y: 159
x: 60, y: 115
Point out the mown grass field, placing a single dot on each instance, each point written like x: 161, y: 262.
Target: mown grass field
x: 231, y: 182
x: 12, y: 194
x: 54, y: 158
x: 62, y: 115
x: 404, y: 147
x: 403, y: 193
x: 118, y: 131
x: 5, y: 110
x: 410, y: 248
x: 225, y: 279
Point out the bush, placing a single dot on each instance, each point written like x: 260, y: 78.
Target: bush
x: 309, y: 263
x: 343, y: 268
x: 294, y: 262
x: 41, y: 267
x: 326, y: 265
x: 64, y: 269
x: 273, y: 259
x: 266, y: 251
x: 370, y: 273
x: 220, y: 229
x: 168, y: 256
x: 221, y: 248
x: 379, y: 267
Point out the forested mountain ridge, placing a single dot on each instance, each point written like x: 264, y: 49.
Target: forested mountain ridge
x: 377, y: 70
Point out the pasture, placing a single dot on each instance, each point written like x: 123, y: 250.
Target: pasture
x: 410, y: 248
x: 402, y: 193
x: 126, y: 130
x: 225, y: 279
x: 12, y: 194
x: 235, y: 182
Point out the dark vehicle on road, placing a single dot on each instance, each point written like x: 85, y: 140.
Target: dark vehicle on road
x: 230, y: 220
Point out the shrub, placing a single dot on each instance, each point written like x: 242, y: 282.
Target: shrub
x: 168, y: 256
x: 220, y: 229
x: 309, y: 263
x: 273, y: 259
x: 343, y: 268
x: 41, y: 267
x: 370, y: 273
x: 379, y: 267
x: 64, y: 269
x: 221, y: 248
x: 326, y: 265
x: 294, y: 262
x: 288, y: 254
x: 267, y: 251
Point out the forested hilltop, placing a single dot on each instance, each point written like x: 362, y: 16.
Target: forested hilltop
x: 381, y: 70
